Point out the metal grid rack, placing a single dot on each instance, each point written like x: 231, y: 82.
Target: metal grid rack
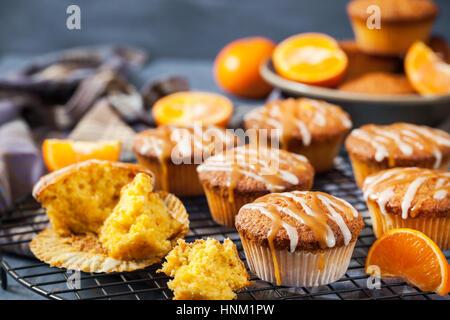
x: 28, y: 218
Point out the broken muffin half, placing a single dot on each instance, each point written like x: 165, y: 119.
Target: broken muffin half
x: 205, y: 270
x: 105, y: 217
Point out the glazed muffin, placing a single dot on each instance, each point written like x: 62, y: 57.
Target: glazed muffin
x: 304, y: 126
x: 413, y: 198
x: 205, y: 270
x: 402, y: 22
x: 299, y: 238
x: 360, y: 63
x: 379, y: 83
x: 374, y: 148
x: 173, y: 153
x: 240, y: 175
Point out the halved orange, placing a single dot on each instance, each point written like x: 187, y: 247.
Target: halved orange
x: 411, y: 256
x: 59, y: 153
x: 190, y: 107
x: 426, y: 71
x: 311, y: 58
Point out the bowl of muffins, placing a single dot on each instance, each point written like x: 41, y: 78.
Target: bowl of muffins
x: 393, y: 70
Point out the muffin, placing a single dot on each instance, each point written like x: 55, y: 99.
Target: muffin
x: 240, y: 175
x: 67, y: 194
x: 414, y: 198
x: 299, y: 238
x: 374, y: 148
x: 360, y: 63
x: 173, y: 154
x: 402, y: 22
x: 205, y: 270
x: 101, y: 224
x: 309, y: 127
x: 379, y: 83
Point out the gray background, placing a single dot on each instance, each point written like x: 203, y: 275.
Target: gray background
x: 172, y: 28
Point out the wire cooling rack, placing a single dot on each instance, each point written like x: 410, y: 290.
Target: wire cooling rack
x: 28, y: 218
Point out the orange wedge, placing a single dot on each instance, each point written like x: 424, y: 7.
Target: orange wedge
x: 426, y: 71
x: 411, y: 256
x: 59, y: 153
x: 311, y: 58
x: 189, y: 108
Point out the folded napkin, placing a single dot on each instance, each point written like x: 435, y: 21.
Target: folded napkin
x: 102, y: 123
x: 20, y: 162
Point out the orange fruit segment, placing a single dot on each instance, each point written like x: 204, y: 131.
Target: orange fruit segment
x: 411, y: 256
x: 59, y: 153
x: 426, y: 71
x: 189, y: 108
x: 311, y: 58
x: 236, y: 67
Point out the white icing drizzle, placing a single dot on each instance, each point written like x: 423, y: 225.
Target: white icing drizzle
x: 252, y: 163
x: 336, y: 217
x: 372, y: 181
x: 409, y: 195
x: 184, y: 141
x: 411, y: 179
x: 405, y: 148
x: 275, y: 115
x: 438, y: 155
x: 306, y: 135
x: 406, y: 138
x: 380, y: 150
x: 440, y: 194
x: 290, y: 230
x: 384, y: 198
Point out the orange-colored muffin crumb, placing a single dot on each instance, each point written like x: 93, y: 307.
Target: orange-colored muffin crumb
x: 205, y: 270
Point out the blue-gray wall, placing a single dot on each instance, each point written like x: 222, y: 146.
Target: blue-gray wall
x: 182, y: 28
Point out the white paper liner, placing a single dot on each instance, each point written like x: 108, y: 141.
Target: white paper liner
x: 438, y: 229
x: 301, y: 268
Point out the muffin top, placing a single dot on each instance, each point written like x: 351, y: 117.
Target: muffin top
x: 399, y: 144
x: 299, y: 220
x: 181, y: 143
x: 410, y: 192
x: 379, y: 83
x: 394, y: 10
x: 257, y: 170
x: 305, y: 119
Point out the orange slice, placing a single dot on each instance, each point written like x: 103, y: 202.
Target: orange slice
x: 311, y: 58
x: 59, y: 153
x: 189, y: 108
x: 410, y: 255
x: 426, y: 71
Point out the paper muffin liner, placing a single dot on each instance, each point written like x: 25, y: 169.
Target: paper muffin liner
x: 222, y: 210
x: 320, y: 155
x: 300, y: 268
x: 84, y: 252
x: 182, y: 180
x: 438, y: 229
x: 363, y: 169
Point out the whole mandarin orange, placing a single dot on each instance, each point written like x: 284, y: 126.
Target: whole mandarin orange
x: 236, y: 67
